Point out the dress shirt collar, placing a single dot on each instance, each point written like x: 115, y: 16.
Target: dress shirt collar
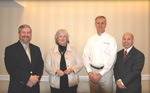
x: 128, y: 49
x: 101, y: 34
x: 24, y: 45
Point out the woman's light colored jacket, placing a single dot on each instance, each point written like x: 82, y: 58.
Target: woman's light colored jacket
x: 73, y: 59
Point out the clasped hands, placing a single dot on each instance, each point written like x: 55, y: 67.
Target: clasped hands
x: 33, y: 80
x: 67, y: 71
x: 94, y: 77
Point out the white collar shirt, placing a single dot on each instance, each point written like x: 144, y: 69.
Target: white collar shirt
x: 128, y: 50
x: 100, y: 51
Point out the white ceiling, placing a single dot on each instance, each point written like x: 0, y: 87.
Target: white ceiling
x: 9, y: 3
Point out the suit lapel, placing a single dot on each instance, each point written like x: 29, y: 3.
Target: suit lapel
x: 120, y: 61
x: 22, y: 52
x: 120, y: 55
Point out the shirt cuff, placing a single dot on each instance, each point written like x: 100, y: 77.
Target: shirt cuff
x: 30, y: 78
x: 71, y: 69
x: 89, y: 70
x: 102, y: 73
x: 121, y: 81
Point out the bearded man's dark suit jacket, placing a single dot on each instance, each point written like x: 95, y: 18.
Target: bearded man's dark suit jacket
x: 129, y: 70
x: 19, y: 67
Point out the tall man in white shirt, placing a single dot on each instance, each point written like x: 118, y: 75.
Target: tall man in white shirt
x: 99, y: 57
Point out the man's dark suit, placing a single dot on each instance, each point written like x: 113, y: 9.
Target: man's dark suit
x: 129, y: 70
x: 20, y: 68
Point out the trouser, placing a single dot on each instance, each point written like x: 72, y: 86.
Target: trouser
x: 105, y: 84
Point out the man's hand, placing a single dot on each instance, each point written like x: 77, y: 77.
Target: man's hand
x: 96, y: 78
x: 120, y: 85
x: 91, y: 74
x: 29, y: 84
x: 60, y: 72
x: 68, y: 71
x: 34, y: 79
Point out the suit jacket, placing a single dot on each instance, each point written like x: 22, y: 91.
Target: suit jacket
x: 19, y: 67
x: 129, y: 70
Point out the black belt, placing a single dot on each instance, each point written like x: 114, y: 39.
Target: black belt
x: 97, y: 67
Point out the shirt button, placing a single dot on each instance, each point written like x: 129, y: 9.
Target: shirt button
x: 30, y: 72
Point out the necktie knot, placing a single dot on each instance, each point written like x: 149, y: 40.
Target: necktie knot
x: 124, y: 56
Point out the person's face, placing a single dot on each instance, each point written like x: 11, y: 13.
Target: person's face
x: 100, y: 25
x: 25, y: 35
x: 127, y: 40
x: 62, y: 39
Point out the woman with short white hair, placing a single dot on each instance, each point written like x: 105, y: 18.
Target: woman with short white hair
x: 63, y: 64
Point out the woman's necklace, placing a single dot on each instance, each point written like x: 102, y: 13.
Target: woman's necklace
x: 62, y: 52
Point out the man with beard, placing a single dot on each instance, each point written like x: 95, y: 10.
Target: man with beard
x: 24, y: 63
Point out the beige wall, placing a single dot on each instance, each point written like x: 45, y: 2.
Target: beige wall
x: 46, y: 17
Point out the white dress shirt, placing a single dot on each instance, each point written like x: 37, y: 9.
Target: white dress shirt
x: 100, y: 51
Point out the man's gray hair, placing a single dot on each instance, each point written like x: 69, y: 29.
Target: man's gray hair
x: 24, y: 26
